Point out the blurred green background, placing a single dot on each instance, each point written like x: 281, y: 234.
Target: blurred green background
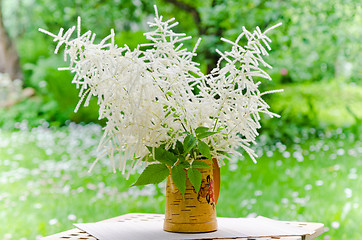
x: 310, y: 158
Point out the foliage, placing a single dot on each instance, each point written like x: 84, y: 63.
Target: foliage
x: 53, y: 88
x: 320, y: 106
x: 54, y: 101
x: 57, y: 86
x: 31, y: 112
x: 175, y: 159
x: 318, y: 40
x: 22, y: 18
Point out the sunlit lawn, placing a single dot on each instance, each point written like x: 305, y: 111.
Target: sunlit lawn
x: 45, y: 186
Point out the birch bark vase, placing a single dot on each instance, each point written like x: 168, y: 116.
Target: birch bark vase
x: 195, y: 213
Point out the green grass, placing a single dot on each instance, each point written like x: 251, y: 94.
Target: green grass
x: 45, y: 186
x: 333, y: 103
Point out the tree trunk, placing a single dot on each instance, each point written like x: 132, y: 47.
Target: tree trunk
x: 9, y: 58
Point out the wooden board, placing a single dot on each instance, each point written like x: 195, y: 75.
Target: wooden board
x: 76, y: 234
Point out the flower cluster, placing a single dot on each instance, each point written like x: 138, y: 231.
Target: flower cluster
x: 148, y: 94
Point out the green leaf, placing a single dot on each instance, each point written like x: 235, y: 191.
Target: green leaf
x: 145, y: 158
x: 195, y: 178
x: 189, y: 143
x: 201, y: 130
x: 223, y: 152
x: 199, y: 164
x: 165, y: 157
x: 149, y: 148
x: 204, y: 149
x: 205, y: 134
x: 148, y: 158
x: 153, y: 174
x: 184, y: 164
x: 179, y: 178
x: 179, y: 147
x: 181, y: 158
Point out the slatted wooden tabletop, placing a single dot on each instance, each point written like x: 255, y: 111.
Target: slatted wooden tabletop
x: 76, y: 234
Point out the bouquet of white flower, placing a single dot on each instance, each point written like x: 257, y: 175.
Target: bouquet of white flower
x: 161, y: 110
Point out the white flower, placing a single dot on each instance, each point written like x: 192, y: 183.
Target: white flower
x: 53, y: 221
x: 147, y: 95
x: 308, y: 187
x: 348, y: 192
x: 72, y: 217
x: 335, y: 224
x: 319, y: 183
x: 258, y: 193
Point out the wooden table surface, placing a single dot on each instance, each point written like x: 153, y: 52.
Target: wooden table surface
x: 76, y: 234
